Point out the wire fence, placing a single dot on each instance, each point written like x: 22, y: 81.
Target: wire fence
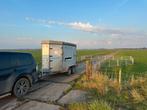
x: 111, y: 66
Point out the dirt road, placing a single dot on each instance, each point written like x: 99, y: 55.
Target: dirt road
x: 44, y: 92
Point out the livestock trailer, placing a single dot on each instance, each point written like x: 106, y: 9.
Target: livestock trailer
x: 58, y: 57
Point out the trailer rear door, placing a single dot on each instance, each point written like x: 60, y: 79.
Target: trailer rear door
x: 55, y: 58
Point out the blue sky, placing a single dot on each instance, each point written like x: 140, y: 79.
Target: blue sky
x: 88, y: 23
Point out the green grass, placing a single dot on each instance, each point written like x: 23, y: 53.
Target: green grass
x: 139, y: 68
x: 131, y: 93
x: 140, y: 57
x: 92, y: 52
x: 37, y: 53
x: 93, y: 105
x: 99, y: 105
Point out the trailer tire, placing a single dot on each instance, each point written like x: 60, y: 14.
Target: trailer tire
x: 73, y: 69
x: 69, y: 72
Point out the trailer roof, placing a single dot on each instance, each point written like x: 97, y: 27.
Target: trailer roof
x: 57, y: 42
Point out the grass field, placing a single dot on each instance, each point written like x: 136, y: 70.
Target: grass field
x: 92, y: 52
x: 107, y: 93
x: 140, y: 57
x: 139, y: 68
x: 37, y: 53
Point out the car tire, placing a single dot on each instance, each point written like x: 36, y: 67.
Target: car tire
x: 21, y: 87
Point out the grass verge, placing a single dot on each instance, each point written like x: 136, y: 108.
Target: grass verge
x: 109, y: 93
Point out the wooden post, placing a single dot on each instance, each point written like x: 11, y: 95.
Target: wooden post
x: 98, y: 66
x: 132, y: 79
x: 89, y: 69
x: 113, y: 58
x: 117, y: 62
x: 119, y: 81
x: 119, y: 77
x: 121, y: 58
x: 126, y: 63
x: 109, y: 63
x: 132, y: 59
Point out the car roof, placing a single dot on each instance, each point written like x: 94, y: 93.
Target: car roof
x: 14, y: 53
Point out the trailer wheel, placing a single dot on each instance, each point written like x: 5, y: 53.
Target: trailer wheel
x: 73, y: 69
x: 69, y: 71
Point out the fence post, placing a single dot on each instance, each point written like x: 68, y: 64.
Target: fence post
x: 126, y: 63
x: 98, y: 65
x: 89, y: 69
x: 117, y: 62
x: 119, y: 77
x: 132, y: 59
x: 112, y: 57
x: 109, y: 63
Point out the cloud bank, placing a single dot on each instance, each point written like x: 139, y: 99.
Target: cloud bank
x: 115, y: 38
x: 87, y: 27
x: 20, y: 43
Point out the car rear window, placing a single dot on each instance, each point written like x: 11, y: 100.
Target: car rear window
x: 10, y: 60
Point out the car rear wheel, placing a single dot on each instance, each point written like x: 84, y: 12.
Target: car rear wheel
x: 21, y: 87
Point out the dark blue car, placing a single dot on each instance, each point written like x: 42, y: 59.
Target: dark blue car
x: 17, y: 73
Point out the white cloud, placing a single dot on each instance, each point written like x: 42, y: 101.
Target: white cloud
x: 117, y: 37
x: 111, y: 42
x: 87, y: 27
x: 44, y: 22
x: 92, y: 44
x: 81, y: 26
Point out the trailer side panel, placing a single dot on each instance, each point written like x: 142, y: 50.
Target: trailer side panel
x: 69, y: 56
